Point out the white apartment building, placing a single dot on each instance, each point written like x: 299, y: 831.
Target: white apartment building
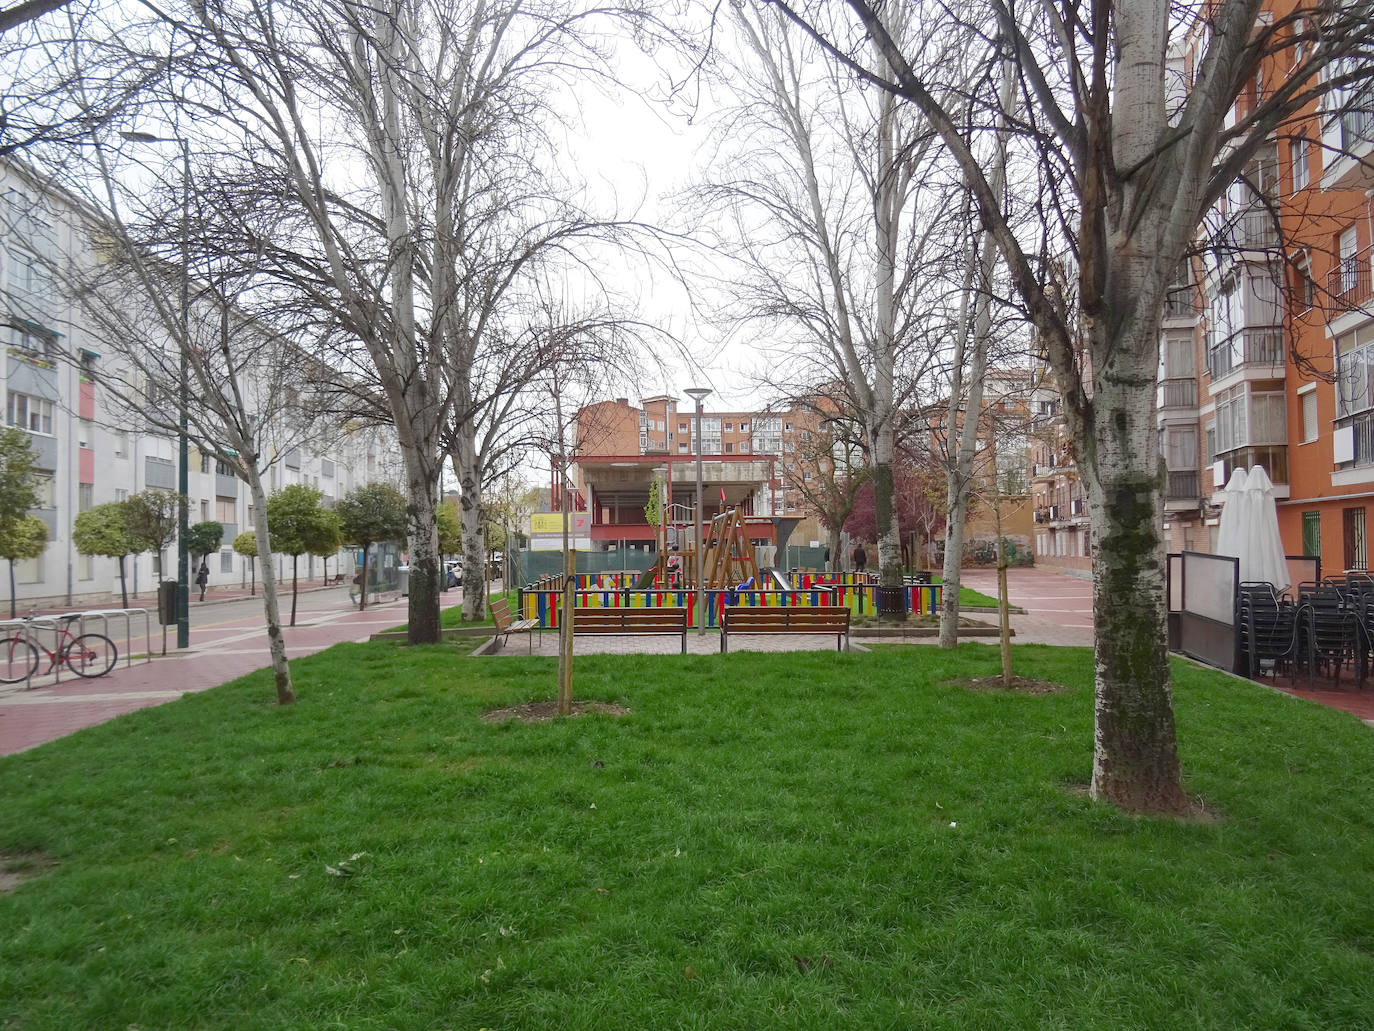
x: 87, y: 452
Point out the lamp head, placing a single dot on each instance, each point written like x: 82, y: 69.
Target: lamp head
x: 698, y: 393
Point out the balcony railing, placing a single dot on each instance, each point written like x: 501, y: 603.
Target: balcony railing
x: 1259, y: 345
x: 1348, y: 282
x: 1179, y: 305
x: 1252, y: 230
x: 1363, y: 425
x: 1274, y: 458
x: 1183, y: 485
x: 1357, y: 121
x: 1178, y: 393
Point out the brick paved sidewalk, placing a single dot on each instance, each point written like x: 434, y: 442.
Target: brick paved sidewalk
x: 219, y: 652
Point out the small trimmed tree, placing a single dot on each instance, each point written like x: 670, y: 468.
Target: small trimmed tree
x: 325, y: 538
x: 104, y: 530
x: 246, y: 544
x: 371, y: 513
x: 22, y: 539
x: 202, y: 539
x: 152, y: 520
x: 294, y: 521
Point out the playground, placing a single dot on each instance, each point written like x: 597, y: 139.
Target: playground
x: 724, y: 570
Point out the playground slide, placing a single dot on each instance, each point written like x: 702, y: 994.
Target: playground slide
x: 771, y: 579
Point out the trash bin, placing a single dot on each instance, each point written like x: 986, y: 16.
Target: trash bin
x: 403, y: 574
x: 891, y: 602
x: 167, y: 602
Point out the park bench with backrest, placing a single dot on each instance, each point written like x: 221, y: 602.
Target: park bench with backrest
x: 506, y: 624
x: 633, y: 622
x: 785, y: 619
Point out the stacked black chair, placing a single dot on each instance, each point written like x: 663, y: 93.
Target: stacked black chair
x: 1327, y: 628
x: 1359, y: 596
x: 1267, y: 625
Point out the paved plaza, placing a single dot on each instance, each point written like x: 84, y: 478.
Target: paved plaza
x: 228, y: 641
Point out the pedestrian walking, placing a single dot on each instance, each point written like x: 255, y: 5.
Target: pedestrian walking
x: 860, y: 559
x: 203, y: 579
x: 357, y: 587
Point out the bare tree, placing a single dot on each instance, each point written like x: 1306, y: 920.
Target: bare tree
x: 403, y: 151
x: 1124, y: 180
x: 839, y: 223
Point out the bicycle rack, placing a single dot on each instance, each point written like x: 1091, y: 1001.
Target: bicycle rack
x: 128, y: 616
x: 52, y: 625
x: 33, y: 626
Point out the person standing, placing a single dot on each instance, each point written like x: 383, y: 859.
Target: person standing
x: 203, y: 579
x: 860, y: 559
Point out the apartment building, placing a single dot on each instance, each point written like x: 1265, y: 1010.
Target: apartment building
x: 748, y: 461
x: 86, y: 449
x: 1268, y: 344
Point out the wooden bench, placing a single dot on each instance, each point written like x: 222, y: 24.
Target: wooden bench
x: 506, y: 624
x: 785, y: 619
x: 632, y: 622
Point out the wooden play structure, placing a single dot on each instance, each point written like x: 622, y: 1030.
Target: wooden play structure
x: 728, y: 559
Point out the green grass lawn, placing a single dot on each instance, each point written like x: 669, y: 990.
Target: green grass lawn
x: 816, y: 840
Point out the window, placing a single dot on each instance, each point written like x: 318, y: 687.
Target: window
x: 1355, y: 371
x: 729, y: 448
x: 225, y: 510
x: 159, y: 472
x: 46, y: 489
x: 1309, y: 416
x: 1306, y: 287
x: 682, y: 447
x: 204, y: 510
x: 744, y: 427
x: 1312, y: 534
x: 29, y: 571
x: 682, y: 427
x: 1356, y: 544
x: 226, y: 561
x: 1298, y: 148
x: 30, y: 413
x: 85, y: 497
x: 121, y: 494
x: 1349, y: 267
x: 205, y: 463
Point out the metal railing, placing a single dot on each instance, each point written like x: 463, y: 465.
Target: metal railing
x: 1184, y: 485
x: 1259, y: 345
x: 1348, y: 281
x: 49, y: 631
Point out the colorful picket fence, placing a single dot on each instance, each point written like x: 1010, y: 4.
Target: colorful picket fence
x: 544, y: 604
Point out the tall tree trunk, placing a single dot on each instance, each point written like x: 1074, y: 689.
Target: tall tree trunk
x: 252, y: 577
x: 889, y: 537
x: 1135, y: 753
x: 294, y: 560
x: 276, y: 643
x: 424, y: 622
x: 469, y: 475
x: 833, y: 545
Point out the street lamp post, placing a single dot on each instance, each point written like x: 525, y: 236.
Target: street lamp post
x: 183, y: 392
x: 699, y: 395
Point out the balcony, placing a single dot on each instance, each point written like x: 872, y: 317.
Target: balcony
x: 1258, y: 346
x: 1178, y: 393
x: 1348, y: 283
x: 1349, y: 139
x: 1251, y: 229
x: 1273, y: 457
x: 1041, y: 514
x: 1179, y: 305
x: 1183, y: 485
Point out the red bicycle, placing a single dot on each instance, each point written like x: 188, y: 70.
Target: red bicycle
x: 86, y: 655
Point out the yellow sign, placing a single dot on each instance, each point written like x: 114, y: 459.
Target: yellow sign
x: 546, y: 522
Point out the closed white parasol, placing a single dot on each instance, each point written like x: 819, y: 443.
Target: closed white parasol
x: 1252, y: 532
